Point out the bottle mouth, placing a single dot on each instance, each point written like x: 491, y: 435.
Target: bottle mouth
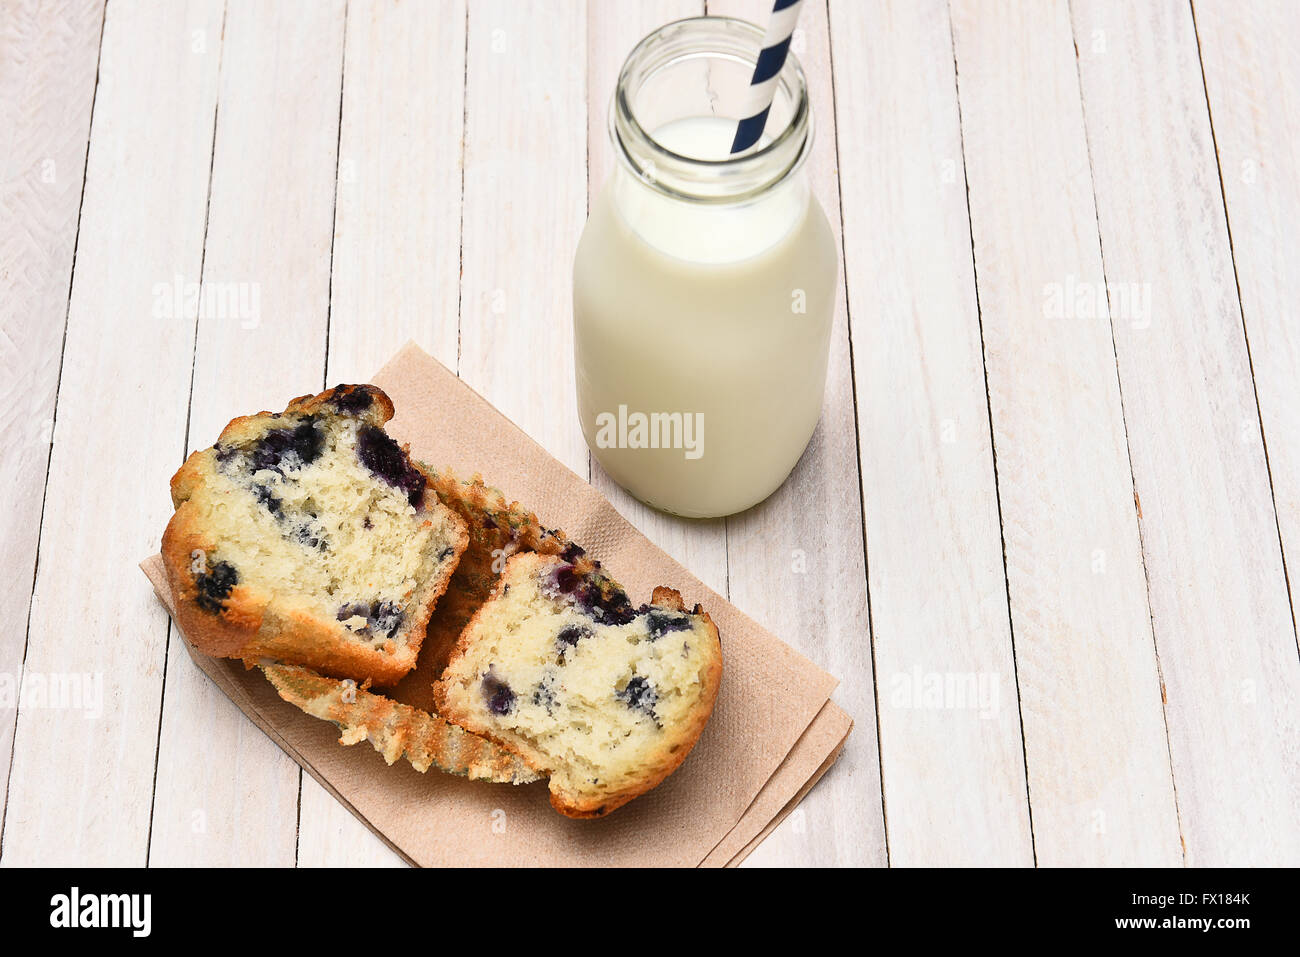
x: 701, y: 67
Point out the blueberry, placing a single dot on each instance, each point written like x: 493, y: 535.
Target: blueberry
x: 446, y: 553
x: 572, y: 552
x: 292, y: 448
x: 570, y: 635
x: 661, y: 623
x: 353, y: 610
x: 596, y: 595
x: 383, y: 618
x: 309, y: 537
x: 611, y: 602
x: 567, y: 581
x: 500, y: 699
x: 267, y: 498
x: 214, y: 585
x: 639, y: 695
x: 351, y: 399
x: 386, y: 460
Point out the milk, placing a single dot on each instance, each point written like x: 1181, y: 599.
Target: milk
x: 701, y: 333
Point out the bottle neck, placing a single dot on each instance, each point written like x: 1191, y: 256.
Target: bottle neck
x: 693, y: 76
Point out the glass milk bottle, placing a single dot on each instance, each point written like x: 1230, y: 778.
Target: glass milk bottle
x: 703, y: 285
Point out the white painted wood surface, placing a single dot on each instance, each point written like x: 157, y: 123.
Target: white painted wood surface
x: 938, y: 595
x: 526, y: 192
x: 1199, y: 470
x: 81, y: 786
x: 1250, y: 57
x: 397, y: 222
x: 1059, y: 455
x: 47, y: 86
x: 1097, y: 761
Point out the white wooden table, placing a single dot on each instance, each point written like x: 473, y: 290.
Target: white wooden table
x: 1042, y: 533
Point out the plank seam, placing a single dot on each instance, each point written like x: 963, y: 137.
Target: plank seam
x: 1128, y: 451
x: 334, y: 212
x: 1241, y: 309
x: 189, y: 411
x: 49, y: 454
x: 857, y: 438
x: 993, y: 449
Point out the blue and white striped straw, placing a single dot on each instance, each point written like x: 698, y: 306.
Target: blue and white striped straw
x: 762, y: 86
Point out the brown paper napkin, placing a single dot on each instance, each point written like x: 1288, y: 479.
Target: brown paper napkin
x: 773, y: 732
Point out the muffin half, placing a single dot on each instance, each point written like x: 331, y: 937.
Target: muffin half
x: 308, y: 537
x: 604, y: 698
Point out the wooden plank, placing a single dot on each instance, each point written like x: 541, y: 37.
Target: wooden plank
x: 1218, y: 590
x: 270, y: 222
x: 796, y: 561
x: 1100, y: 784
x: 48, y: 59
x: 80, y: 786
x: 938, y: 591
x: 613, y: 29
x: 524, y: 206
x: 329, y: 835
x: 396, y: 260
x: 396, y: 272
x: 1250, y: 57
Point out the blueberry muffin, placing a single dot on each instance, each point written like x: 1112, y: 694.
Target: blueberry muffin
x: 309, y: 537
x: 396, y: 729
x: 604, y: 698
x: 402, y: 721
